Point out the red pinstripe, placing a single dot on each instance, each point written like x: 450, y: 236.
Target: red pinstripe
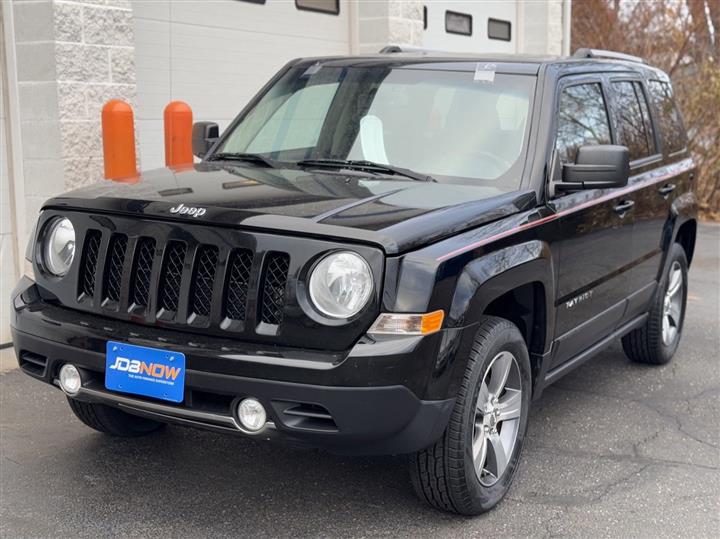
x: 532, y: 224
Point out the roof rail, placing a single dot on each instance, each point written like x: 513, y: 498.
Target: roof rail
x: 390, y: 49
x: 599, y: 53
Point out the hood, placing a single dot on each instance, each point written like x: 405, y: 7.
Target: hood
x: 395, y: 213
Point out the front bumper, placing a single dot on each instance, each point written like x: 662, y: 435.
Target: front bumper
x: 362, y: 402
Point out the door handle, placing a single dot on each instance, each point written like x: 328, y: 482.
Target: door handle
x: 624, y: 206
x: 666, y: 189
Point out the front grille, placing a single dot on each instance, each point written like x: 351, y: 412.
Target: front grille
x: 171, y: 277
x: 273, y: 299
x: 183, y: 283
x: 88, y: 266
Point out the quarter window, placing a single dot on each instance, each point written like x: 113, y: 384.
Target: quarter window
x: 582, y: 120
x: 634, y: 121
x: 671, y: 126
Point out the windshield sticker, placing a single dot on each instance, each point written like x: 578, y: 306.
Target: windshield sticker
x: 485, y: 73
x: 312, y: 69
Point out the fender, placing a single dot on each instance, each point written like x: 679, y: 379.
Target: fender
x: 683, y: 209
x: 480, y: 282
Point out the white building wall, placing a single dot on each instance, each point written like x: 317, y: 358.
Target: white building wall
x: 8, y: 266
x: 435, y: 37
x: 215, y: 55
x: 541, y: 27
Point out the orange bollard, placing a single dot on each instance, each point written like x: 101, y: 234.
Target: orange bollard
x: 118, y: 133
x: 178, y: 133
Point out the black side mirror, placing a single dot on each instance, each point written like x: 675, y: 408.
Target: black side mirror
x: 204, y: 135
x: 596, y: 167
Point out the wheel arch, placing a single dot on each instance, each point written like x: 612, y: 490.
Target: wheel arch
x: 515, y: 283
x: 685, y: 236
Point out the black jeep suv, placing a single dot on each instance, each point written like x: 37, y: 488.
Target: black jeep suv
x: 380, y: 255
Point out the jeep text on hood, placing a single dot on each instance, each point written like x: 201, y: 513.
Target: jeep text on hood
x: 393, y: 213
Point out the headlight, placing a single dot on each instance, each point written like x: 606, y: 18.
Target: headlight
x: 59, y: 247
x: 341, y: 284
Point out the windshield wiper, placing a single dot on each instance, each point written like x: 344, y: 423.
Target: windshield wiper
x: 238, y: 156
x: 369, y: 166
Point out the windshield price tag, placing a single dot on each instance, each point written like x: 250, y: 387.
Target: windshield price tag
x: 312, y: 69
x: 484, y: 73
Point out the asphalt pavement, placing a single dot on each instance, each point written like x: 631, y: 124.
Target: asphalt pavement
x: 614, y: 450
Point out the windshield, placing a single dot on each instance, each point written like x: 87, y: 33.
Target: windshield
x: 451, y: 125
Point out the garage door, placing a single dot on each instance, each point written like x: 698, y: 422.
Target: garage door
x: 215, y: 55
x: 462, y: 26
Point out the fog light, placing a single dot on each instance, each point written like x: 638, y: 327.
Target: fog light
x: 251, y: 414
x: 70, y: 380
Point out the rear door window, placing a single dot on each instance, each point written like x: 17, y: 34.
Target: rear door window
x: 635, y: 130
x: 671, y: 126
x: 582, y: 120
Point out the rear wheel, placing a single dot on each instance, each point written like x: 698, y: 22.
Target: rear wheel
x: 109, y: 420
x: 469, y: 470
x: 657, y: 340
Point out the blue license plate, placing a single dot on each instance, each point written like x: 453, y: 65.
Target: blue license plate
x: 145, y: 371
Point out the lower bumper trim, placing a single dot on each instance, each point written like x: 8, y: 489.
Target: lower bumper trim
x: 165, y: 412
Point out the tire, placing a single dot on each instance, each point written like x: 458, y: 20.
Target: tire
x: 112, y: 421
x: 649, y: 343
x: 444, y: 474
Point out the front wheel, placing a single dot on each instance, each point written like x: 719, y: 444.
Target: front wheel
x: 470, y: 469
x: 109, y: 420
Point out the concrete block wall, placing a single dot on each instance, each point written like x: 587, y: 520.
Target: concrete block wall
x: 38, y: 106
x: 542, y: 27
x: 95, y: 62
x: 7, y: 241
x: 72, y: 57
x: 383, y: 22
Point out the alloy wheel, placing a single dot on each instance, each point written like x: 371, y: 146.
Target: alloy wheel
x: 497, y: 418
x: 672, y: 305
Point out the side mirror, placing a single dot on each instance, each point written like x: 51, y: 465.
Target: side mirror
x: 596, y: 167
x: 204, y: 135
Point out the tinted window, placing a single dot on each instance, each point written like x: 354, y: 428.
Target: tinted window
x: 635, y: 131
x: 296, y: 123
x: 498, y: 29
x: 582, y: 120
x: 458, y: 23
x: 671, y: 126
x: 441, y: 122
x: 323, y: 6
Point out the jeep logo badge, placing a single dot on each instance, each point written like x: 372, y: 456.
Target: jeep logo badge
x: 182, y: 209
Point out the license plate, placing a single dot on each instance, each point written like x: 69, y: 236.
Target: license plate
x: 145, y: 371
